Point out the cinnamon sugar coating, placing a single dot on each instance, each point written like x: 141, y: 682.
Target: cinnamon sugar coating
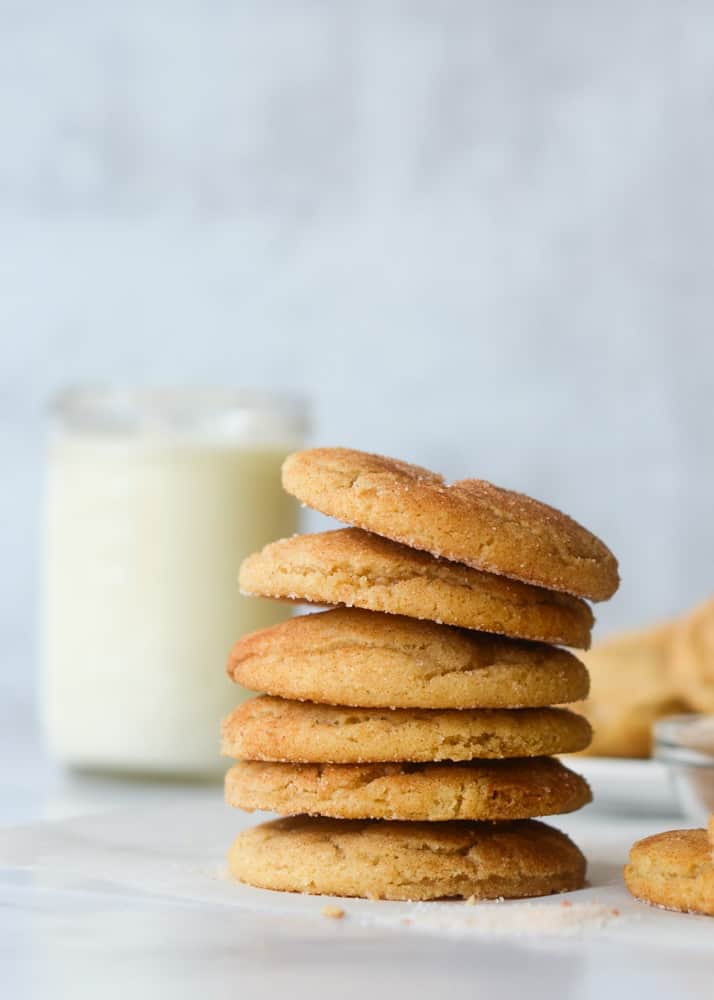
x: 348, y: 656
x: 482, y: 790
x: 393, y: 860
x: 356, y: 568
x: 274, y: 729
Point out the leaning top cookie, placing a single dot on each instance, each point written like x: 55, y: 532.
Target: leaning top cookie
x: 470, y: 521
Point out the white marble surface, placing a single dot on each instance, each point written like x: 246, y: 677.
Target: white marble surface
x: 109, y: 888
x: 77, y: 942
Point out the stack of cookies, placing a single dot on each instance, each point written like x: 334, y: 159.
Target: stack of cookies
x: 407, y: 734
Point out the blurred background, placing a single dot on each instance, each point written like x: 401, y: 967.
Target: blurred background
x: 477, y: 236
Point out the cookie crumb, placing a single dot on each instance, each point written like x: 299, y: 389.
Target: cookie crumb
x: 334, y: 912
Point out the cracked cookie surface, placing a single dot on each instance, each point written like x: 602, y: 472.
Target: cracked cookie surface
x: 486, y: 790
x: 358, y: 569
x: 471, y: 521
x: 393, y: 860
x: 348, y: 656
x: 274, y: 729
x: 674, y: 870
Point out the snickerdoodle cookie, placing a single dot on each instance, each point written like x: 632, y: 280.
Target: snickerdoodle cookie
x: 632, y: 685
x: 470, y: 521
x: 485, y: 790
x: 673, y: 870
x: 354, y: 567
x: 349, y: 656
x: 274, y: 729
x: 393, y: 860
x: 693, y: 657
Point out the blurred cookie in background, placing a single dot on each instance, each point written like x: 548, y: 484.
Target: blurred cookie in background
x: 632, y: 684
x: 693, y: 657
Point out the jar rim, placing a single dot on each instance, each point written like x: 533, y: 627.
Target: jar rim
x: 678, y: 739
x: 131, y: 409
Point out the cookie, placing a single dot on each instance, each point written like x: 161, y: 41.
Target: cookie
x: 352, y: 567
x: 693, y: 657
x: 710, y: 830
x: 348, y: 656
x: 486, y: 790
x: 470, y: 521
x: 674, y: 870
x: 631, y: 687
x: 393, y: 860
x: 273, y: 729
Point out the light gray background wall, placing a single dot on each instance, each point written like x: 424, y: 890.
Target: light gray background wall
x: 478, y: 235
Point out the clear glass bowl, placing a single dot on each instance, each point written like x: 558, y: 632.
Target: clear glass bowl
x: 685, y: 743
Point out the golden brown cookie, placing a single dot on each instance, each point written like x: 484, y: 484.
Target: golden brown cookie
x: 485, y: 790
x: 353, y: 567
x: 392, y: 860
x: 673, y: 870
x: 631, y: 687
x: 710, y: 830
x: 273, y: 729
x: 693, y: 657
x: 348, y: 656
x: 470, y: 521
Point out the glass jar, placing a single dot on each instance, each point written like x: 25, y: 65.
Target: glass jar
x: 685, y: 743
x: 153, y: 499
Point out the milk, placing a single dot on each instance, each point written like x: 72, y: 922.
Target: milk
x: 144, y: 536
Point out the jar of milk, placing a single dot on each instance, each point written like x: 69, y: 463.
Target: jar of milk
x: 153, y: 499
